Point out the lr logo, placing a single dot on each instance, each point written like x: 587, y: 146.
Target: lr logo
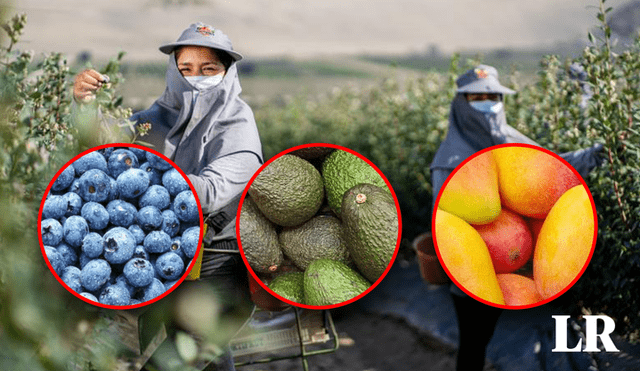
x: 591, y: 332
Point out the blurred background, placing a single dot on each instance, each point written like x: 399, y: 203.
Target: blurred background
x: 311, y: 47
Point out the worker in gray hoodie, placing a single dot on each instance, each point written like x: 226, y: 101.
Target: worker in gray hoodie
x: 477, y: 121
x: 201, y: 124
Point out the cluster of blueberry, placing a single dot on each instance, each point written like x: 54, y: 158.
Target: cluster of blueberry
x: 120, y: 225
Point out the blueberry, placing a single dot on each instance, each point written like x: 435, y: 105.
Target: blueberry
x: 75, y: 228
x: 157, y: 196
x: 122, y: 281
x: 169, y: 266
x: 71, y: 276
x: 117, y: 231
x: 92, y: 245
x: 174, y: 182
x: 54, y: 207
x: 68, y: 253
x: 169, y: 284
x: 119, y: 244
x: 96, y: 215
x: 115, y: 295
x: 121, y: 213
x: 170, y: 223
x: 137, y: 233
x: 113, y: 191
x: 75, y: 186
x: 158, y: 162
x: 94, y: 185
x: 155, y: 289
x: 155, y: 175
x: 121, y: 160
x: 140, y: 252
x: 51, y: 231
x: 185, y: 207
x: 138, y: 272
x: 89, y: 296
x: 95, y: 274
x: 132, y: 183
x: 106, y: 152
x: 190, y: 240
x: 83, y: 259
x: 64, y: 180
x: 55, y: 259
x: 141, y: 154
x: 176, y: 247
x: 73, y: 203
x: 149, y: 218
x: 157, y: 242
x: 89, y: 161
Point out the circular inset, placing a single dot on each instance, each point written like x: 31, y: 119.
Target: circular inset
x: 318, y: 226
x: 515, y: 226
x: 109, y: 220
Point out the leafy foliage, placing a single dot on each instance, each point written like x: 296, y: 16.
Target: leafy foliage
x: 41, y: 324
x: 593, y: 98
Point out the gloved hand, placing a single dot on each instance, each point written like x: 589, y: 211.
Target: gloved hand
x: 584, y: 160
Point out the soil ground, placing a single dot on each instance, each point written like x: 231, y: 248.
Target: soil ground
x: 371, y: 342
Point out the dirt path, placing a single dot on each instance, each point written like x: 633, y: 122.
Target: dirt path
x: 371, y: 342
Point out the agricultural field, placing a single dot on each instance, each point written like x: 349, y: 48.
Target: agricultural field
x: 391, y: 113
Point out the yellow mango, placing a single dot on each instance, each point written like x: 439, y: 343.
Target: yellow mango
x: 565, y: 242
x: 531, y: 180
x: 466, y: 257
x: 472, y: 191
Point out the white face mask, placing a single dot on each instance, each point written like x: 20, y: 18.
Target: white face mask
x: 487, y: 106
x: 205, y: 82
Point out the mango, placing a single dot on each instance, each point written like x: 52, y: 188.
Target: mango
x: 472, y: 191
x: 565, y: 242
x: 465, y: 256
x: 518, y: 290
x: 509, y: 241
x: 531, y: 180
x: 535, y: 225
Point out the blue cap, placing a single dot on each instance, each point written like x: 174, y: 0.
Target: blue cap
x: 482, y: 79
x: 200, y: 34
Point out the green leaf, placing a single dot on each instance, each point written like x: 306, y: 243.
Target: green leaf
x: 187, y: 347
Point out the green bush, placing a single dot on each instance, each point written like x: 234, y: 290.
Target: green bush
x: 399, y: 128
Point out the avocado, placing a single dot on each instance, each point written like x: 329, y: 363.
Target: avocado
x: 315, y: 155
x: 288, y: 191
x: 318, y: 238
x: 370, y: 222
x: 259, y: 239
x: 342, y: 170
x: 289, y: 286
x: 328, y: 282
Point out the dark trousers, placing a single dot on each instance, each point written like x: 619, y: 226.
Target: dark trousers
x: 476, y: 323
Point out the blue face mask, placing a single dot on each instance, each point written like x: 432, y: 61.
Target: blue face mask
x: 487, y: 106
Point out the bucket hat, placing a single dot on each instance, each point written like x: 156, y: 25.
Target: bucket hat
x: 200, y: 34
x: 482, y: 79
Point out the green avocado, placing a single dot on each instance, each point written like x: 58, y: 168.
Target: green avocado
x: 318, y: 238
x: 289, y: 286
x: 288, y: 191
x: 370, y: 222
x: 342, y: 170
x: 328, y: 282
x: 259, y: 239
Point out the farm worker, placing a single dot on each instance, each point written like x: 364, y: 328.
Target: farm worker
x: 477, y: 121
x: 201, y: 124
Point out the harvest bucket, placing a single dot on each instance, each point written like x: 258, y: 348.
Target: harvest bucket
x: 430, y: 267
x: 263, y: 299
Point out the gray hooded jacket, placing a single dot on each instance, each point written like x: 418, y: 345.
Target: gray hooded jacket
x: 212, y: 136
x: 471, y: 131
